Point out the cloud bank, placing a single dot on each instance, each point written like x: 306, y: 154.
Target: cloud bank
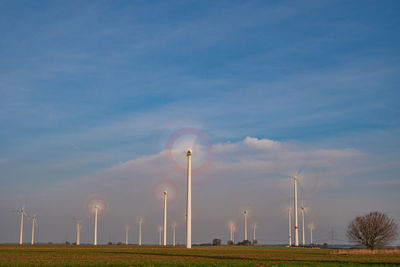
x: 251, y: 173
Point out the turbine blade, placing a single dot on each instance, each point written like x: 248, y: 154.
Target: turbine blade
x: 301, y: 169
x: 301, y: 189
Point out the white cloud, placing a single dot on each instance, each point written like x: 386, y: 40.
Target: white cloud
x: 261, y: 143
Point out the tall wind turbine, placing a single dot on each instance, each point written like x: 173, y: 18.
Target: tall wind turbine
x: 23, y: 213
x: 290, y: 227
x: 165, y: 218
x: 304, y: 235
x: 140, y: 221
x: 173, y: 233
x: 189, y: 201
x: 96, y: 207
x: 127, y: 227
x: 245, y: 224
x: 159, y: 233
x: 96, y: 211
x: 34, y: 222
x: 296, y: 223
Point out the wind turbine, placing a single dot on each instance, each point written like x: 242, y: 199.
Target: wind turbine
x: 189, y: 201
x: 96, y: 210
x: 159, y: 232
x: 296, y: 223
x: 254, y: 233
x: 96, y: 207
x: 34, y: 222
x: 233, y: 236
x: 165, y: 217
x: 245, y: 224
x: 304, y: 238
x: 78, y: 232
x: 127, y: 227
x: 311, y: 230
x: 173, y: 233
x: 231, y: 231
x: 140, y: 221
x: 23, y: 213
x: 290, y: 227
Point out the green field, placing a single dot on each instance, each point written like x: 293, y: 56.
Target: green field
x: 68, y: 255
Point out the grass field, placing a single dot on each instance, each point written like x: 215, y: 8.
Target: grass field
x: 68, y: 255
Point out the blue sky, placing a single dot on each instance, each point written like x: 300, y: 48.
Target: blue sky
x: 88, y: 87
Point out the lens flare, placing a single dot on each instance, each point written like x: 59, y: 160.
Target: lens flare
x: 94, y: 202
x: 189, y: 138
x: 165, y: 185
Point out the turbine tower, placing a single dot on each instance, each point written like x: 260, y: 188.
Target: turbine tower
x: 165, y: 218
x: 245, y: 224
x: 34, y: 222
x: 159, y: 232
x: 96, y: 210
x: 78, y: 232
x: 173, y: 233
x: 303, y: 243
x: 311, y: 230
x: 127, y: 234
x: 23, y: 213
x: 254, y: 233
x: 296, y: 223
x: 290, y: 227
x: 140, y: 231
x: 231, y: 226
x: 189, y: 201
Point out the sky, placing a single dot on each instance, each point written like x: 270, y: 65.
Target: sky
x: 101, y: 99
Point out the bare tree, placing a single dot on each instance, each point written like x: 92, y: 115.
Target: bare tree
x: 374, y: 230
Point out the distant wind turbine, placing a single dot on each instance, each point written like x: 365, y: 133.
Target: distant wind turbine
x: 254, y: 233
x: 173, y: 233
x: 34, y: 223
x: 311, y: 232
x: 96, y: 207
x: 245, y: 224
x: 140, y: 221
x: 127, y: 227
x: 159, y: 232
x: 23, y: 213
x: 303, y: 232
x: 231, y: 231
x: 78, y: 231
